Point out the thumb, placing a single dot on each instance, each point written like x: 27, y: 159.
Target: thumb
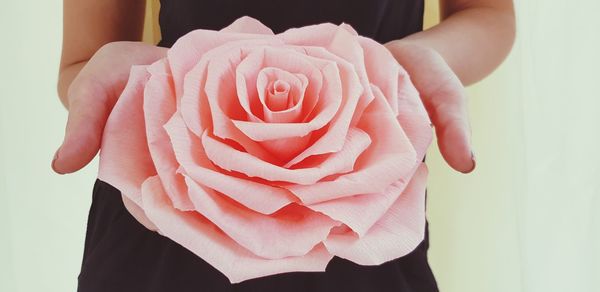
x: 448, y: 110
x: 83, y: 133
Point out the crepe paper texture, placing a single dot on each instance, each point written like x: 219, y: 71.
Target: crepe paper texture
x: 268, y: 153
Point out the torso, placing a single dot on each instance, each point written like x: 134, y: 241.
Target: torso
x: 122, y: 255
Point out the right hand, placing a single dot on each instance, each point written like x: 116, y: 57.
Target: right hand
x: 444, y: 98
x: 91, y: 97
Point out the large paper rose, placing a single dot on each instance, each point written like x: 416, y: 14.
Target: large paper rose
x: 265, y: 153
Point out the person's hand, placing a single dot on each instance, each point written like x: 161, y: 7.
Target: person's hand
x: 92, y: 95
x: 444, y: 98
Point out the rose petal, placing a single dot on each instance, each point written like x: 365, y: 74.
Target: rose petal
x: 290, y: 60
x: 124, y: 156
x: 390, y: 158
x: 247, y: 24
x: 197, y: 234
x: 279, y: 96
x: 383, y: 70
x: 360, y: 212
x: 398, y: 232
x: 348, y: 28
x: 343, y: 161
x: 345, y: 45
x: 138, y: 213
x: 194, y: 104
x: 189, y: 49
x: 159, y: 106
x: 293, y: 112
x: 250, y: 85
x: 281, y: 107
x: 254, y: 195
x: 292, y: 231
x: 332, y: 140
x: 318, y: 35
x: 413, y: 116
x: 196, y: 109
x: 394, y: 83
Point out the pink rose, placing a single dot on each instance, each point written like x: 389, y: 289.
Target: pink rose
x: 266, y: 154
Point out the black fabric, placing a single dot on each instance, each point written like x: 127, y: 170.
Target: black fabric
x: 382, y: 20
x: 122, y: 255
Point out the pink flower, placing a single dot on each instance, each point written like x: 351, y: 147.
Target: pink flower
x: 266, y: 154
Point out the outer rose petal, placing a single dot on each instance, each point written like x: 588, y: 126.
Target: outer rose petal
x: 382, y: 69
x: 138, y: 213
x: 125, y: 160
x: 393, y: 82
x: 292, y: 231
x: 318, y: 35
x: 246, y: 24
x: 398, y: 232
x: 413, y: 118
x: 360, y: 212
x: 345, y: 45
x: 159, y: 106
x: 197, y: 234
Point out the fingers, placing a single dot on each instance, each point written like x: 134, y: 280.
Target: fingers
x: 444, y: 98
x: 88, y: 112
x: 447, y: 108
x: 92, y: 95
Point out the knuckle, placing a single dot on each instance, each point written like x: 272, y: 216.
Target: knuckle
x: 81, y: 88
x: 113, y: 48
x: 84, y: 92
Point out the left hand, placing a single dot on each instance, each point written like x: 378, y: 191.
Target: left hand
x: 444, y: 98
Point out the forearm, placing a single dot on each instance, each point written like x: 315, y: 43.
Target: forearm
x: 88, y: 25
x: 473, y: 39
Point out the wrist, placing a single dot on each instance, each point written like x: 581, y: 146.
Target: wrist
x: 406, y: 50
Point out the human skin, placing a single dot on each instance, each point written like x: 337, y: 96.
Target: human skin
x: 472, y: 39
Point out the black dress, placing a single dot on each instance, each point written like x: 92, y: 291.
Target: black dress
x: 122, y: 255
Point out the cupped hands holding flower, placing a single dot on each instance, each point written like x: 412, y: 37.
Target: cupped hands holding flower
x: 96, y: 88
x: 271, y: 151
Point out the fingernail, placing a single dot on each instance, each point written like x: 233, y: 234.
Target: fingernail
x: 474, y: 163
x: 474, y: 160
x: 54, y: 161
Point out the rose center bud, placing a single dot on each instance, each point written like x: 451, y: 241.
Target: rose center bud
x: 281, y: 95
x: 278, y: 97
